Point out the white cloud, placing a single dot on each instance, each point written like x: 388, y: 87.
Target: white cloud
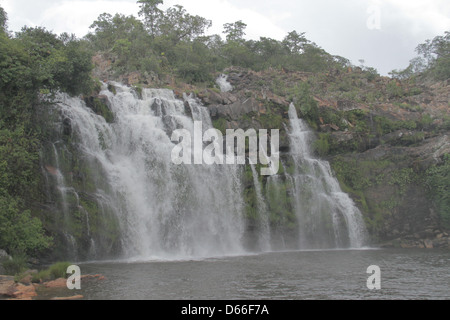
x: 223, y: 11
x: 6, y: 4
x: 77, y: 16
x: 433, y: 15
x: 63, y: 15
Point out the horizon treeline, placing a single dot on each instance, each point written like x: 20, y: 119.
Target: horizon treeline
x: 174, y: 42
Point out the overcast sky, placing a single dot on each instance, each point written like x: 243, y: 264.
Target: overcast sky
x: 384, y: 33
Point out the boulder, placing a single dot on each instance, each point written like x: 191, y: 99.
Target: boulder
x: 6, y: 285
x: 16, y: 291
x: 24, y: 292
x: 236, y: 110
x: 211, y: 97
x: 58, y: 283
x: 428, y: 243
x: 27, y: 277
x: 4, y: 255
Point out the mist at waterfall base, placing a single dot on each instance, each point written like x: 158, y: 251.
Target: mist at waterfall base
x: 167, y: 211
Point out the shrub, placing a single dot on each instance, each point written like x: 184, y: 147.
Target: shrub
x: 55, y: 271
x: 15, y: 265
x: 59, y: 270
x: 322, y: 145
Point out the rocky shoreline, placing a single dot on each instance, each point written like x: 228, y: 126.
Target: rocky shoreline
x: 435, y: 239
x: 24, y: 289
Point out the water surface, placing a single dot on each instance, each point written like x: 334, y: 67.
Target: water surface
x: 293, y: 275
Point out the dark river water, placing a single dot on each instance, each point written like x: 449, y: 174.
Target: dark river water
x: 294, y: 275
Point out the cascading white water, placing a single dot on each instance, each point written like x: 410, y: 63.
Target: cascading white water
x: 224, y: 85
x: 263, y: 214
x: 165, y: 210
x: 327, y: 216
x: 169, y: 211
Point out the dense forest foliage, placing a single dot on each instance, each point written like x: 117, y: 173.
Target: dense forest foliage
x: 433, y: 60
x: 174, y: 42
x: 35, y: 63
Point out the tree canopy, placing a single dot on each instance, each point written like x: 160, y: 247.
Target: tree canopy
x: 433, y: 60
x: 33, y: 63
x: 175, y: 42
x: 3, y: 19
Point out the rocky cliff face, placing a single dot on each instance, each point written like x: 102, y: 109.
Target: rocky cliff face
x: 387, y: 142
x: 382, y: 141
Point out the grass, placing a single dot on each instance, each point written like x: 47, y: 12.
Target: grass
x: 55, y: 271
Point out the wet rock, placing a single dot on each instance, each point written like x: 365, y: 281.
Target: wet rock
x: 16, y: 291
x: 329, y: 127
x: 187, y: 109
x: 6, y: 285
x: 93, y: 276
x: 428, y: 244
x: 58, y: 283
x: 4, y: 255
x: 340, y: 137
x: 440, y: 243
x: 211, y: 97
x: 67, y: 127
x: 132, y: 78
x: 236, y: 110
x: 24, y: 292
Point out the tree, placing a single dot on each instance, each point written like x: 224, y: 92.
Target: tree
x: 341, y: 61
x: 234, y: 31
x: 33, y: 62
x: 306, y: 104
x: 3, y: 19
x: 194, y: 62
x: 103, y: 35
x: 58, y: 63
x: 295, y: 42
x: 152, y: 14
x: 20, y: 232
x: 434, y: 49
x: 433, y: 60
x: 270, y: 53
x: 178, y: 25
x: 239, y: 54
x: 437, y: 55
x: 109, y: 29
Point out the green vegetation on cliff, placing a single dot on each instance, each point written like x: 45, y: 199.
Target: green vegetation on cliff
x: 174, y: 43
x: 433, y: 60
x: 437, y: 179
x: 32, y: 63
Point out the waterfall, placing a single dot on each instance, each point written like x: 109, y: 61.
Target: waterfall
x: 164, y: 210
x: 124, y: 190
x: 60, y: 182
x: 263, y: 214
x: 224, y: 85
x: 327, y: 217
